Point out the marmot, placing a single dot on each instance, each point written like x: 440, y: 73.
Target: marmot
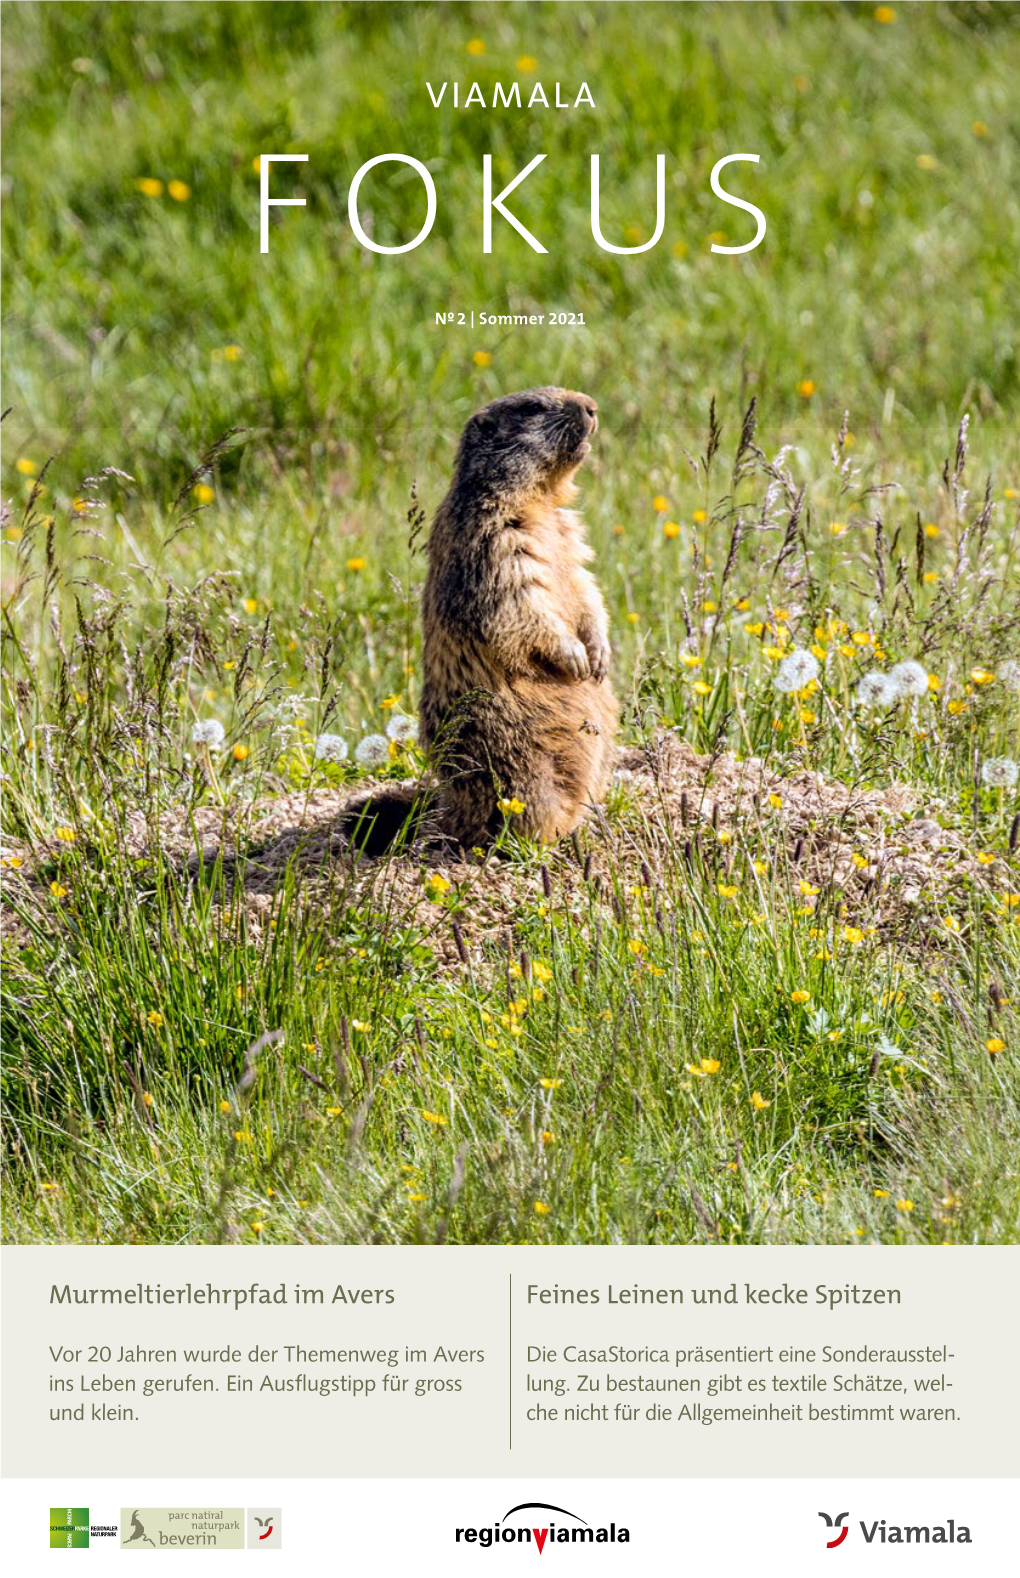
x: 516, y: 704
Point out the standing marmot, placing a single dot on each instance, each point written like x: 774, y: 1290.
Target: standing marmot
x: 515, y: 700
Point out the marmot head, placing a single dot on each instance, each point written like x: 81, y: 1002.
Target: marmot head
x: 526, y: 443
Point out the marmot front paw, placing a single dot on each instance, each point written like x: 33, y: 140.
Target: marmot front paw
x: 599, y: 654
x: 573, y: 658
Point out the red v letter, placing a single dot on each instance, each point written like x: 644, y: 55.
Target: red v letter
x: 541, y: 1535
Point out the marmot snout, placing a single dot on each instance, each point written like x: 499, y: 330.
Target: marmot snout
x: 515, y: 702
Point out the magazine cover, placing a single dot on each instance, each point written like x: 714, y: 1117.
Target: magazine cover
x: 510, y: 851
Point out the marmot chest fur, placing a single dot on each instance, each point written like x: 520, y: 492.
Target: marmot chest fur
x: 516, y: 703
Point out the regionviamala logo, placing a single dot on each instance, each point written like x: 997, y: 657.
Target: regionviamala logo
x: 879, y: 1532
x: 536, y: 1529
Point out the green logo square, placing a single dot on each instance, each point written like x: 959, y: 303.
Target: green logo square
x: 69, y: 1528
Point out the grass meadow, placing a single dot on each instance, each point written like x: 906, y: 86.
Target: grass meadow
x: 770, y: 993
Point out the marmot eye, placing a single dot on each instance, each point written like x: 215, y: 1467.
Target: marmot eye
x: 529, y: 408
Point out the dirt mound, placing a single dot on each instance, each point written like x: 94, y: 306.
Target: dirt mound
x: 881, y: 854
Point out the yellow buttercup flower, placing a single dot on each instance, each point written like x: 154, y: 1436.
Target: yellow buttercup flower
x: 995, y: 1044
x: 434, y: 1117
x: 149, y: 186
x: 26, y: 467
x: 670, y: 529
x: 660, y: 503
x: 203, y: 493
x: 806, y: 388
x: 542, y: 1210
x: 179, y: 191
x: 355, y: 565
x: 527, y: 63
x: 475, y: 46
x: 800, y: 996
x: 482, y: 358
x: 758, y: 1101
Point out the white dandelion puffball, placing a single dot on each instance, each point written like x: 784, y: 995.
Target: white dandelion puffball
x: 403, y: 729
x: 877, y: 691
x: 1008, y: 674
x: 208, y: 731
x: 330, y: 748
x: 372, y: 751
x: 1000, y: 772
x: 797, y: 669
x: 910, y: 679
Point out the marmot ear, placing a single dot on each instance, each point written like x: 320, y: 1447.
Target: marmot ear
x: 483, y: 424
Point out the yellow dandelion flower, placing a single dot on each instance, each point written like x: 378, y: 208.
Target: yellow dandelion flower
x: 334, y: 1112
x: 758, y: 1101
x: 547, y: 1137
x: 356, y: 565
x: 660, y: 503
x: 527, y: 64
x: 951, y: 923
x: 800, y: 996
x: 179, y: 191
x: 995, y: 1044
x: 981, y: 676
x: 636, y: 947
x: 242, y: 1136
x: 67, y: 835
x: 437, y: 884
x: 701, y: 689
x: 985, y: 857
x: 853, y: 935
x: 147, y: 1097
x: 475, y: 46
x: 203, y: 493
x: 232, y: 353
x: 224, y: 1106
x: 12, y: 861
x: 149, y: 186
x: 776, y: 801
x: 416, y: 1199
x: 699, y: 517
x: 837, y: 528
x: 670, y: 529
x: 806, y: 889
x: 710, y: 1065
x: 884, y: 15
x: 904, y: 1205
x: 511, y: 806
x: 434, y: 1117
x: 727, y: 890
x: 362, y: 1025
x: 257, y: 1227
x: 806, y: 388
x: 542, y: 1210
x: 26, y: 467
x: 926, y: 161
x: 482, y: 358
x: 240, y: 753
x: 550, y: 1084
x: 58, y: 891
x: 930, y: 577
x: 881, y: 1194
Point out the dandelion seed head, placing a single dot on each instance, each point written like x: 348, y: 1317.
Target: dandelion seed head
x: 208, y: 731
x: 330, y: 748
x: 797, y: 670
x: 1000, y: 772
x: 877, y: 691
x: 403, y: 729
x: 372, y: 751
x: 910, y: 679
